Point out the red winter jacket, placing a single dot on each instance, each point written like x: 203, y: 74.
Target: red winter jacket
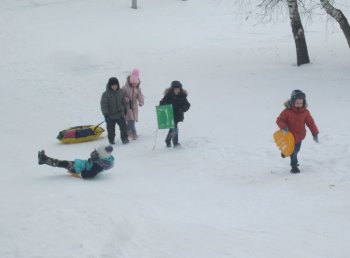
x: 295, y: 119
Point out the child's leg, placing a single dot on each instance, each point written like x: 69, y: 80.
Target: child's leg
x: 176, y: 136
x: 169, y: 137
x: 111, y: 130
x: 130, y: 124
x: 132, y: 127
x: 43, y: 159
x: 172, y: 135
x: 123, y: 130
x: 294, y: 156
x: 128, y: 127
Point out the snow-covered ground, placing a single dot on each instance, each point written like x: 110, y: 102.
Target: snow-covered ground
x: 226, y: 193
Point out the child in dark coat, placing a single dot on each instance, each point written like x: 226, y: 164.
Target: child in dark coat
x: 100, y: 159
x: 177, y: 97
x: 294, y: 118
x: 114, y: 108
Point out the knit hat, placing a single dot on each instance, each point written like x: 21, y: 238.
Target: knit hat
x: 113, y: 81
x: 297, y: 94
x: 176, y: 84
x: 135, y: 76
x: 104, y: 151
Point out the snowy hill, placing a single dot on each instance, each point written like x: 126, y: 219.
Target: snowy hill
x: 227, y: 192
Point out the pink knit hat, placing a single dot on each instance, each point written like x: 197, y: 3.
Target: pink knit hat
x: 134, y: 76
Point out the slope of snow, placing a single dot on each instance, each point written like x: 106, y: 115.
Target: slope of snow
x: 227, y: 192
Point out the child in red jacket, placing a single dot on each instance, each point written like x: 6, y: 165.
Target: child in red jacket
x: 293, y: 118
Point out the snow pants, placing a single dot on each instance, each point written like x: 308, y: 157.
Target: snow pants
x: 122, y: 128
x: 131, y: 126
x: 173, y: 135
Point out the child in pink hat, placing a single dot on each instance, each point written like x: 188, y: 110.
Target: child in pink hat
x: 135, y: 76
x: 134, y: 98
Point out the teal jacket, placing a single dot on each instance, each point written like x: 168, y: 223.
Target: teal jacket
x: 89, y: 168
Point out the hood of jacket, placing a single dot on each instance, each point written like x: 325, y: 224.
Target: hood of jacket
x: 128, y: 83
x: 170, y: 90
x: 108, y: 88
x: 288, y: 105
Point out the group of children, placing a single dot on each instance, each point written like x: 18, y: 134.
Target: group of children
x: 120, y: 106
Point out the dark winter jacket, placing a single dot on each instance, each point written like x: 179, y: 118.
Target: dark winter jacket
x: 113, y: 103
x: 295, y: 119
x: 179, y: 102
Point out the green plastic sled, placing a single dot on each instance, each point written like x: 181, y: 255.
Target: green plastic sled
x: 165, y: 116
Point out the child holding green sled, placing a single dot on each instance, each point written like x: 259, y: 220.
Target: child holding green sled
x: 100, y: 159
x: 177, y: 97
x: 294, y: 118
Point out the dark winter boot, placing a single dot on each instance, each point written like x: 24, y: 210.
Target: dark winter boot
x: 295, y: 169
x: 168, y: 139
x: 177, y: 145
x: 42, y: 157
x: 111, y: 140
x: 176, y: 138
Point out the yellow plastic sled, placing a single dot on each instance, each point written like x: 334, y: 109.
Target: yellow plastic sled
x: 285, y: 142
x: 80, y: 134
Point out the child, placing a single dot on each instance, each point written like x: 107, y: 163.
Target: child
x: 113, y: 107
x: 134, y: 98
x: 293, y: 118
x: 177, y: 97
x: 100, y: 159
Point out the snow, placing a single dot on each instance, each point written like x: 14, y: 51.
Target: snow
x: 227, y: 192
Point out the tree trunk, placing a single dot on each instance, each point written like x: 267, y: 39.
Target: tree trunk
x: 298, y: 33
x: 338, y: 16
x: 134, y: 4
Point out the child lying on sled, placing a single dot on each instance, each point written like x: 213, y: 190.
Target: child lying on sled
x: 100, y: 159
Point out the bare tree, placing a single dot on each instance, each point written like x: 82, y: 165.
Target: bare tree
x: 298, y: 33
x: 134, y: 4
x: 267, y: 7
x: 338, y: 16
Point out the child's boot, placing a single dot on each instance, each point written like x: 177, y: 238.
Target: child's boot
x: 168, y: 143
x: 176, y: 141
x: 42, y: 157
x: 295, y: 169
x: 134, y: 136
x: 168, y: 140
